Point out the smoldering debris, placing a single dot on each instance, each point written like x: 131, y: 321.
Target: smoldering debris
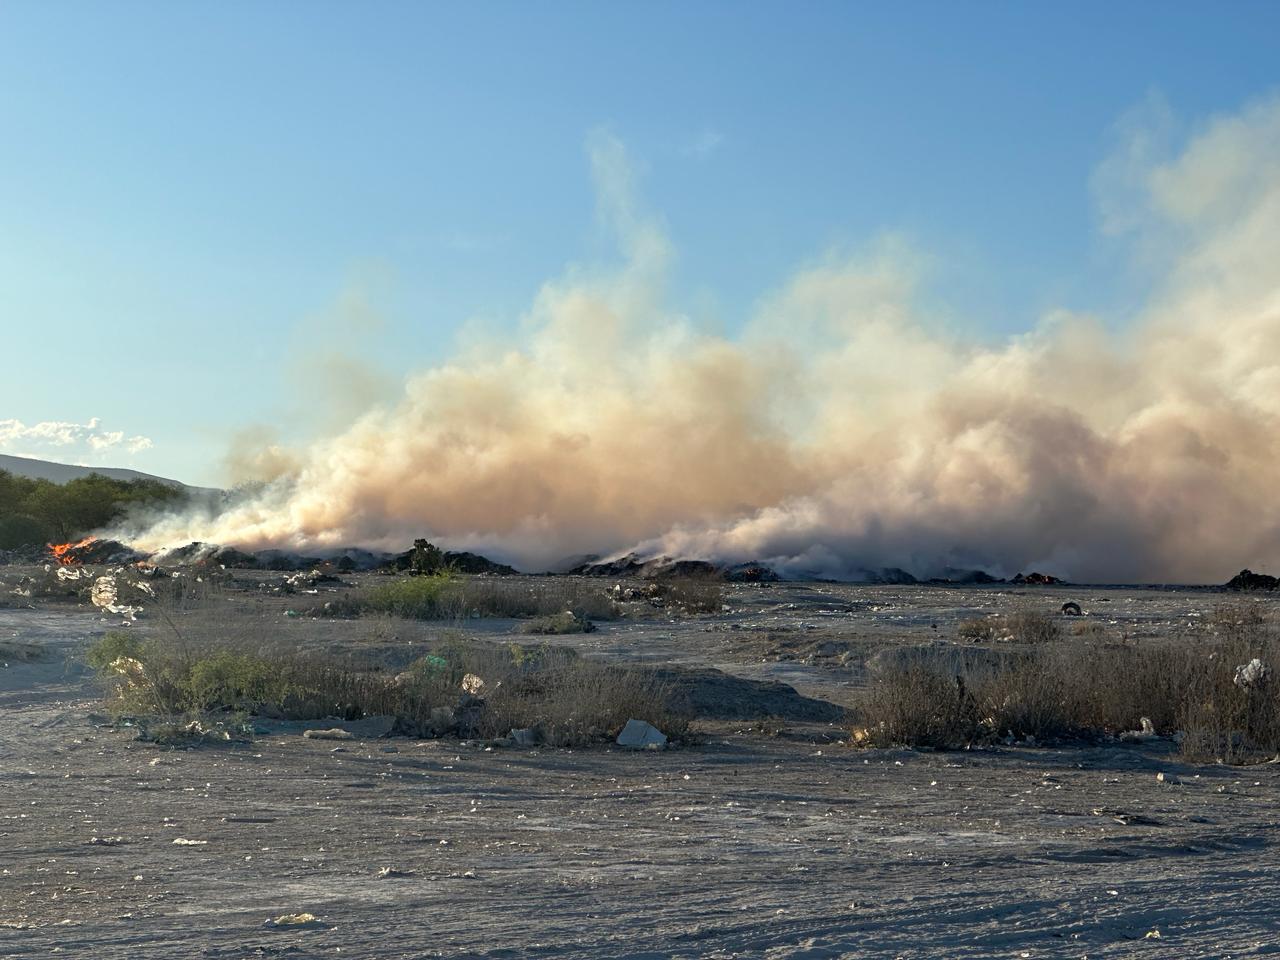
x: 1248, y: 581
x: 1036, y: 579
x: 668, y: 568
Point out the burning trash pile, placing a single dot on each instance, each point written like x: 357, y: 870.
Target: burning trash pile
x: 93, y: 550
x: 119, y: 590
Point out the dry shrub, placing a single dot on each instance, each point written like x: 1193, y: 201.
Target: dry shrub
x: 579, y: 702
x: 694, y: 594
x: 558, y: 624
x: 1225, y: 720
x: 920, y: 707
x: 1090, y: 630
x: 568, y: 700
x: 978, y: 630
x: 453, y: 597
x: 1031, y: 626
x: 1185, y: 686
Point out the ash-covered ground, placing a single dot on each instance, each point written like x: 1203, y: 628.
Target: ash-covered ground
x: 764, y: 835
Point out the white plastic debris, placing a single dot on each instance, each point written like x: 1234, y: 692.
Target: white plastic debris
x: 293, y: 921
x: 105, y: 594
x: 640, y: 735
x: 472, y: 684
x: 335, y: 733
x: 1252, y: 674
x: 1148, y: 732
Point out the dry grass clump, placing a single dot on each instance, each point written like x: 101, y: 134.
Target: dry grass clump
x: 18, y: 651
x: 448, y: 596
x: 558, y: 624
x: 1032, y: 626
x: 1192, y: 687
x: 468, y: 687
x: 978, y: 630
x: 694, y: 594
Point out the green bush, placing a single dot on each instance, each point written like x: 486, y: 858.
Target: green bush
x: 20, y: 530
x: 418, y: 598
x: 36, y: 511
x: 111, y: 647
x: 230, y: 680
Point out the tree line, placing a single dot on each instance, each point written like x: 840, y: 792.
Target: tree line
x: 37, y: 511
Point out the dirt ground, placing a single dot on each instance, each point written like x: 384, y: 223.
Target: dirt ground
x: 766, y: 837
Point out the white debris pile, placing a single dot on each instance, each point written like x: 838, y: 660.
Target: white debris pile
x: 639, y: 735
x: 1148, y: 732
x: 1252, y: 675
x: 105, y: 595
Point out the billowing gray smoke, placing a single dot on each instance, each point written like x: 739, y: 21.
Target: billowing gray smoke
x: 841, y: 431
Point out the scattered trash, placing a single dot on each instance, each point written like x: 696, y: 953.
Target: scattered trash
x: 472, y: 684
x: 184, y: 842
x: 639, y: 735
x: 105, y: 595
x: 1253, y: 674
x: 334, y: 733
x: 1148, y: 732
x: 390, y: 873
x: 293, y: 921
x: 1072, y: 609
x: 1167, y: 778
x: 106, y: 841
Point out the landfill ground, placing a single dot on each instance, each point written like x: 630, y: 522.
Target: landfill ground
x: 764, y: 837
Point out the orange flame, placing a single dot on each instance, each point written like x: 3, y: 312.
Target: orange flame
x: 63, y: 552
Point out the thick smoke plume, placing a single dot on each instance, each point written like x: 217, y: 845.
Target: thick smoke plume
x: 843, y: 430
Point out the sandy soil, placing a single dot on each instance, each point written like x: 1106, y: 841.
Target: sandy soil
x: 740, y: 845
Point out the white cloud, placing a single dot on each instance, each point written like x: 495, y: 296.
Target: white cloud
x: 704, y: 144
x: 67, y: 440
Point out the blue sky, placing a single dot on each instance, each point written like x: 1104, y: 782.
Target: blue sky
x: 195, y: 198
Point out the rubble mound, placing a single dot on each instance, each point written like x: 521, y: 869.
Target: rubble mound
x: 461, y: 561
x: 666, y: 568
x: 1035, y: 579
x: 466, y: 562
x: 28, y: 555
x: 1247, y: 580
x: 893, y: 576
x: 627, y: 566
x: 751, y: 572
x: 100, y: 551
x: 966, y: 577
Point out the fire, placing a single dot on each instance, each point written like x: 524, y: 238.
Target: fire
x: 64, y: 553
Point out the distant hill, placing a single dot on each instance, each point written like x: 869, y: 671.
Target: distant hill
x: 64, y: 472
